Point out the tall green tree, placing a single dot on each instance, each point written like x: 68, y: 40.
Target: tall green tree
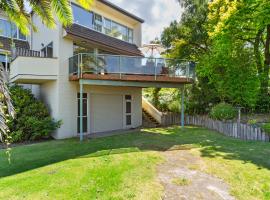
x: 188, y: 39
x: 247, y: 21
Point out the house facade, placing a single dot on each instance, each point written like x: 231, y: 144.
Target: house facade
x: 91, y: 74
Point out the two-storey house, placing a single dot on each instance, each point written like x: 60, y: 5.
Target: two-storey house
x: 91, y: 74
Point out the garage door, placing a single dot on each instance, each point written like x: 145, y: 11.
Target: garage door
x: 106, y: 112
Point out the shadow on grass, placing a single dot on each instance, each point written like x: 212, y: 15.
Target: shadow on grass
x: 211, y: 144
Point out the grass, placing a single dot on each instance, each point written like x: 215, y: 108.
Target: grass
x: 123, y: 167
x: 181, y: 181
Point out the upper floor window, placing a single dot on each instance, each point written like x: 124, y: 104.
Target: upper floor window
x: 9, y: 29
x: 82, y: 16
x: 101, y: 24
x: 98, y: 22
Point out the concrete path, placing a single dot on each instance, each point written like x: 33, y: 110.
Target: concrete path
x: 182, y: 179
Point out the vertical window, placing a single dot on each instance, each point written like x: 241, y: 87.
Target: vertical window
x: 47, y: 51
x: 82, y: 16
x: 13, y: 31
x: 98, y: 22
x: 107, y: 26
x: 130, y: 35
x: 50, y: 50
x: 84, y: 114
x: 128, y: 110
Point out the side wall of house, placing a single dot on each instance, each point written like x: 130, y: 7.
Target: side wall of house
x: 48, y: 90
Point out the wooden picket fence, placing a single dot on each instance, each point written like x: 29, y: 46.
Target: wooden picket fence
x: 231, y: 129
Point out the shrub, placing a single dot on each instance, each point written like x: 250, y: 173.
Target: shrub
x: 174, y: 106
x: 266, y: 127
x: 32, y: 120
x: 223, y: 111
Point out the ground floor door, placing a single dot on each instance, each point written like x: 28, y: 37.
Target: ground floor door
x: 106, y: 112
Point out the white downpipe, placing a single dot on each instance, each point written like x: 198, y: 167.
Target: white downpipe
x: 150, y: 109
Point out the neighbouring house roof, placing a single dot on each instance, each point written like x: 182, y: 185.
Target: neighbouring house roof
x: 103, y: 41
x: 5, y: 44
x: 122, y: 10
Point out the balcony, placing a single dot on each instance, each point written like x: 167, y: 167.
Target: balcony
x: 129, y: 68
x: 32, y: 67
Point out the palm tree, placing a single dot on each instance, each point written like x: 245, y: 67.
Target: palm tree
x: 6, y: 107
x: 18, y: 14
x: 45, y: 9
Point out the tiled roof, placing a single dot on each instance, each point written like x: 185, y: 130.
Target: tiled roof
x: 103, y: 41
x: 5, y: 43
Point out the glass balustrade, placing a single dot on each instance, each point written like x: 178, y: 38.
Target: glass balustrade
x: 127, y: 65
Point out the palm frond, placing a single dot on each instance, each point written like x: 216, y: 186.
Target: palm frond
x: 5, y: 103
x: 63, y: 11
x: 85, y: 3
x: 43, y: 9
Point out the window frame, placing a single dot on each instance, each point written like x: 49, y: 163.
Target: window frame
x: 102, y: 24
x: 92, y: 23
x: 17, y: 31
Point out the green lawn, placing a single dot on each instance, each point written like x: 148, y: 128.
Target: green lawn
x: 123, y: 167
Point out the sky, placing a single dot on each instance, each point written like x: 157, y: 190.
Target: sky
x: 157, y: 14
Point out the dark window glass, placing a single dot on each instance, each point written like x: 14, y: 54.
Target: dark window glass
x: 50, y: 50
x: 84, y: 124
x: 128, y: 107
x: 84, y: 106
x: 85, y: 117
x: 82, y: 16
x: 47, y: 51
x: 128, y: 120
x: 128, y: 97
x: 84, y: 95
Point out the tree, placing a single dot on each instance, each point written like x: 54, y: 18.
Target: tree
x: 188, y: 39
x: 6, y: 107
x: 247, y: 21
x: 45, y: 9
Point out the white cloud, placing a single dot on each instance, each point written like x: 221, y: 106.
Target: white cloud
x: 157, y: 14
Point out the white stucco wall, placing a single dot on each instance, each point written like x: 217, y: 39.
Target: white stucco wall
x: 61, y: 95
x: 45, y: 36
